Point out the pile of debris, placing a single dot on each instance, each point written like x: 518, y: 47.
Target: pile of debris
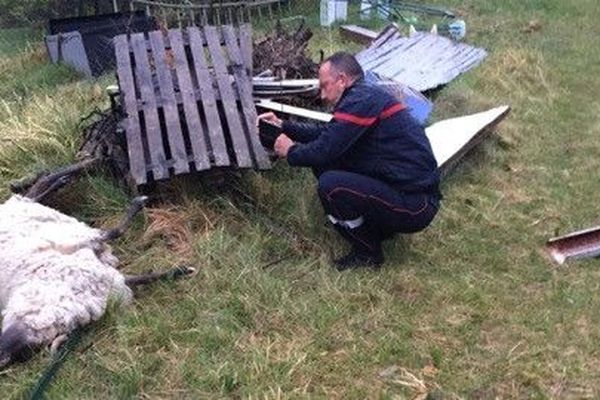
x: 268, y: 86
x: 282, y: 70
x: 390, y: 61
x: 284, y: 54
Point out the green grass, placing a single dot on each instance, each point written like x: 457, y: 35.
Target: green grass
x: 13, y: 41
x: 469, y: 307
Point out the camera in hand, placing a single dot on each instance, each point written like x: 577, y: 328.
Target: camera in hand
x: 268, y: 133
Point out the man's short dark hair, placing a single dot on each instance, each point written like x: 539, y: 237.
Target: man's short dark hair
x: 345, y: 62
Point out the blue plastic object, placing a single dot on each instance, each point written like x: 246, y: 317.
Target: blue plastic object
x: 418, y: 105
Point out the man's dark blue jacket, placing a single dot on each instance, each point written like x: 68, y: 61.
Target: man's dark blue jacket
x: 371, y: 134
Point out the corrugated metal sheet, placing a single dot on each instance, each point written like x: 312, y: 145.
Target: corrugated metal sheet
x: 422, y: 61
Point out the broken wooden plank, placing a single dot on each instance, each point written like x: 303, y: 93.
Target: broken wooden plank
x: 228, y: 99
x: 152, y: 124
x: 135, y: 147
x: 169, y: 105
x: 207, y: 98
x: 244, y: 88
x: 358, y: 34
x: 195, y: 131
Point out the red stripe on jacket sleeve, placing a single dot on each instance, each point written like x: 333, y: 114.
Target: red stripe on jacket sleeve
x: 362, y: 121
x: 388, y: 112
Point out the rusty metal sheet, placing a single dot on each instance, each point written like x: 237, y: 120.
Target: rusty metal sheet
x: 422, y: 61
x: 581, y: 244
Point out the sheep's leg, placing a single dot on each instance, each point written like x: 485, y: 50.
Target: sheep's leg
x: 175, y: 273
x: 56, y: 343
x: 53, y: 187
x: 47, y: 184
x: 136, y: 206
x: 25, y: 183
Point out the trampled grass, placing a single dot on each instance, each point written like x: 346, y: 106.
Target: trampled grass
x: 469, y: 308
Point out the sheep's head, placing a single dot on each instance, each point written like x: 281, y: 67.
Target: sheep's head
x: 13, y: 345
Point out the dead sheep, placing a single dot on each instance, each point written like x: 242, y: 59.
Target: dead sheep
x: 56, y: 274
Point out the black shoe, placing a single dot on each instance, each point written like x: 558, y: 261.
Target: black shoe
x: 357, y: 259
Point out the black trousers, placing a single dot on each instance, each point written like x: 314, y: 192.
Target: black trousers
x: 365, y: 211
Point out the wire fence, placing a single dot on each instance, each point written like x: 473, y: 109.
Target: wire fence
x: 30, y: 21
x: 36, y: 13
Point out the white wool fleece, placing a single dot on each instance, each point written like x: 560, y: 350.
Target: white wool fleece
x: 55, y: 273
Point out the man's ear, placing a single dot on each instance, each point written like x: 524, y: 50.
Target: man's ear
x: 345, y: 78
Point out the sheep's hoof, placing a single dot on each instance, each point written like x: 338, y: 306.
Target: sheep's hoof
x: 56, y: 343
x: 183, y: 272
x: 188, y: 272
x: 140, y: 201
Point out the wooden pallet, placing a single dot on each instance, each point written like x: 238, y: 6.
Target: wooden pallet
x: 185, y: 111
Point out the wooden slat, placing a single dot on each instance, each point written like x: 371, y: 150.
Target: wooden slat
x: 246, y: 46
x: 228, y: 100
x: 144, y: 83
x: 264, y: 84
x: 209, y: 103
x: 185, y: 42
x: 190, y: 107
x: 245, y: 91
x: 135, y: 147
x: 165, y: 79
x: 178, y: 98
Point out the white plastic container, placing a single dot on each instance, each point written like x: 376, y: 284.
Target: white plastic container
x: 333, y: 10
x: 341, y: 10
x: 327, y: 12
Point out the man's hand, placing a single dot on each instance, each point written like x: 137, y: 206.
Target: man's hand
x: 282, y: 145
x: 269, y: 117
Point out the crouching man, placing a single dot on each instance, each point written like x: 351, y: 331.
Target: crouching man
x: 377, y: 175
